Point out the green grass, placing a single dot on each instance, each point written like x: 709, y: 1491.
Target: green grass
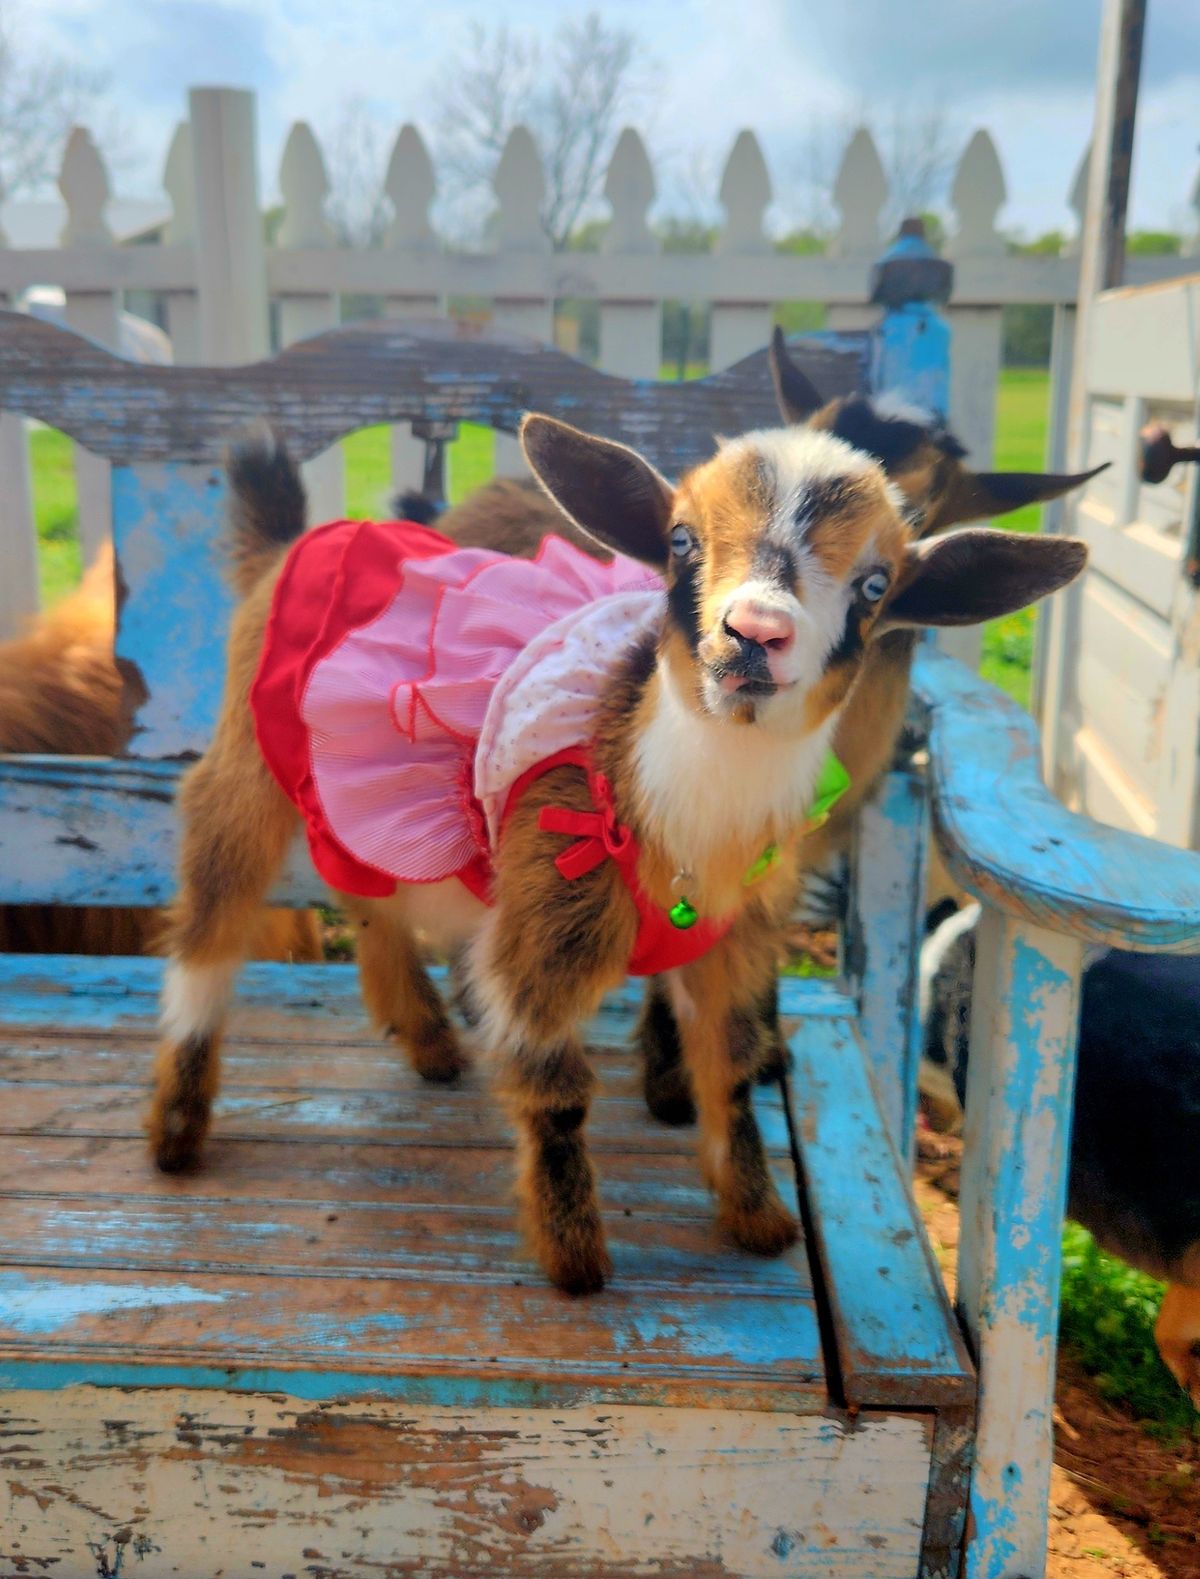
x: 1106, y: 1321
x: 52, y: 475
x: 1022, y: 413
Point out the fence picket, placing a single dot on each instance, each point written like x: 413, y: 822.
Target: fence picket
x: 305, y: 186
x: 217, y: 278
x: 410, y: 186
x: 630, y: 332
x: 83, y: 182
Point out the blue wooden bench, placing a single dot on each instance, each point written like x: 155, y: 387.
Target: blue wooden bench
x: 327, y: 1351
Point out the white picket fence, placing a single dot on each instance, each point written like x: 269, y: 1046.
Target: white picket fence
x: 219, y: 277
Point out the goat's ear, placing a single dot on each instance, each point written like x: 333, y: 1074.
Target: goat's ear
x: 797, y: 396
x: 609, y: 491
x: 976, y: 575
x: 977, y: 496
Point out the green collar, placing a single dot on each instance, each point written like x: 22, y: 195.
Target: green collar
x: 832, y: 783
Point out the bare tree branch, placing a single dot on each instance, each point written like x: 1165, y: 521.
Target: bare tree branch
x: 573, y: 99
x: 355, y: 164
x: 41, y: 98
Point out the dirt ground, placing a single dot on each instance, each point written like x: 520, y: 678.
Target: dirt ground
x: 1121, y: 1503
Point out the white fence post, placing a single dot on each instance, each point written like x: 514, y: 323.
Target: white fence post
x: 630, y: 332
x: 231, y: 273
x: 183, y: 307
x: 83, y: 183
x: 738, y: 328
x: 859, y: 194
x: 976, y: 334
x: 411, y: 186
x: 517, y: 224
x: 18, y: 533
x: 304, y: 186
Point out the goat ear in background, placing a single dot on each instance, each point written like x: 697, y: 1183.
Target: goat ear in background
x: 608, y: 490
x: 977, y: 496
x: 795, y: 393
x: 977, y: 575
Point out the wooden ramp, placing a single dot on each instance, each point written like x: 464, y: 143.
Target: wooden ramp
x: 328, y: 1353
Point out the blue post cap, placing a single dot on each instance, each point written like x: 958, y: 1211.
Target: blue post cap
x: 910, y: 270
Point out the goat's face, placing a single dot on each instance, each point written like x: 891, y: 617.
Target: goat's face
x: 784, y: 556
x: 917, y: 451
x: 783, y: 549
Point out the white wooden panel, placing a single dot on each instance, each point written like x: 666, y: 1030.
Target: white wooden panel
x: 181, y: 1478
x: 1103, y: 789
x: 1142, y: 561
x: 1127, y: 721
x: 1146, y: 342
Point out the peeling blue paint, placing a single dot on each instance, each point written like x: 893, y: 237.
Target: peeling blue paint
x: 37, y: 1307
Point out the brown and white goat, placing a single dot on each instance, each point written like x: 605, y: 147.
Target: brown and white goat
x: 786, y: 557
x: 62, y: 694
x: 925, y: 461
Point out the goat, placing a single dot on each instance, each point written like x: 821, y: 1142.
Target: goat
x: 615, y: 776
x: 924, y: 460
x: 62, y: 694
x: 1134, y: 1181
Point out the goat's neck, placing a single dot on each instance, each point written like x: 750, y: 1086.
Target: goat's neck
x: 706, y: 793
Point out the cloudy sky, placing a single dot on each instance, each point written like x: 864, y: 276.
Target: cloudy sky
x: 1024, y: 69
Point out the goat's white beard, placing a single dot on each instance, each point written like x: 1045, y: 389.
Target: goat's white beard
x: 703, y: 782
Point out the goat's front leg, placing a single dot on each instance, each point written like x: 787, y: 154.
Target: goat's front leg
x: 549, y: 951
x: 723, y: 1048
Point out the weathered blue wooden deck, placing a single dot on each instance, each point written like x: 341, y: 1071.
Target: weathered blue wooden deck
x: 350, y: 1244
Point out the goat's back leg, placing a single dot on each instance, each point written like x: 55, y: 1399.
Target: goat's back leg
x: 723, y: 1048
x: 237, y: 825
x: 666, y: 1084
x: 396, y: 988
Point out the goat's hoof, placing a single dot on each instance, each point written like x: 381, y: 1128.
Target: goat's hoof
x: 579, y: 1275
x: 582, y: 1266
x: 439, y: 1059
x: 768, y: 1230
x: 177, y: 1138
x: 669, y: 1098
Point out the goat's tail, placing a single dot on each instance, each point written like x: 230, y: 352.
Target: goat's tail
x: 413, y: 506
x: 267, y: 504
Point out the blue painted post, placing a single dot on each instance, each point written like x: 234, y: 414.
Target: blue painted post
x: 910, y: 349
x: 910, y: 358
x: 1020, y: 1085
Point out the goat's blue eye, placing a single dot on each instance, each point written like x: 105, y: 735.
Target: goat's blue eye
x: 682, y: 541
x: 874, y: 586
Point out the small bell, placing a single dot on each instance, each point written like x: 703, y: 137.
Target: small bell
x: 683, y: 914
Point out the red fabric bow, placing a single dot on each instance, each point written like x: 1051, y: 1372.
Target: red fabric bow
x: 599, y: 834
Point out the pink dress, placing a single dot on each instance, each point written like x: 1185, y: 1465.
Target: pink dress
x: 405, y: 684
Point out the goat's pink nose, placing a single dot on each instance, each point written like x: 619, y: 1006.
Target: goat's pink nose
x: 772, y: 628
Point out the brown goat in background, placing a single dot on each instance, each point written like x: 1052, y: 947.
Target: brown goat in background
x: 61, y: 694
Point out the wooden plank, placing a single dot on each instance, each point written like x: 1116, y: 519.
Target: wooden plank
x: 1015, y: 1148
x: 63, y: 993
x: 677, y: 1345
x: 410, y: 1112
x: 178, y: 1479
x: 895, y: 1336
x: 336, y: 1176
x: 386, y: 370
x: 1008, y: 840
x: 423, y: 1242
x: 1147, y: 342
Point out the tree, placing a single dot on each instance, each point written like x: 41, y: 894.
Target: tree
x: 573, y: 97
x: 919, y: 148
x: 41, y: 97
x: 354, y: 163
